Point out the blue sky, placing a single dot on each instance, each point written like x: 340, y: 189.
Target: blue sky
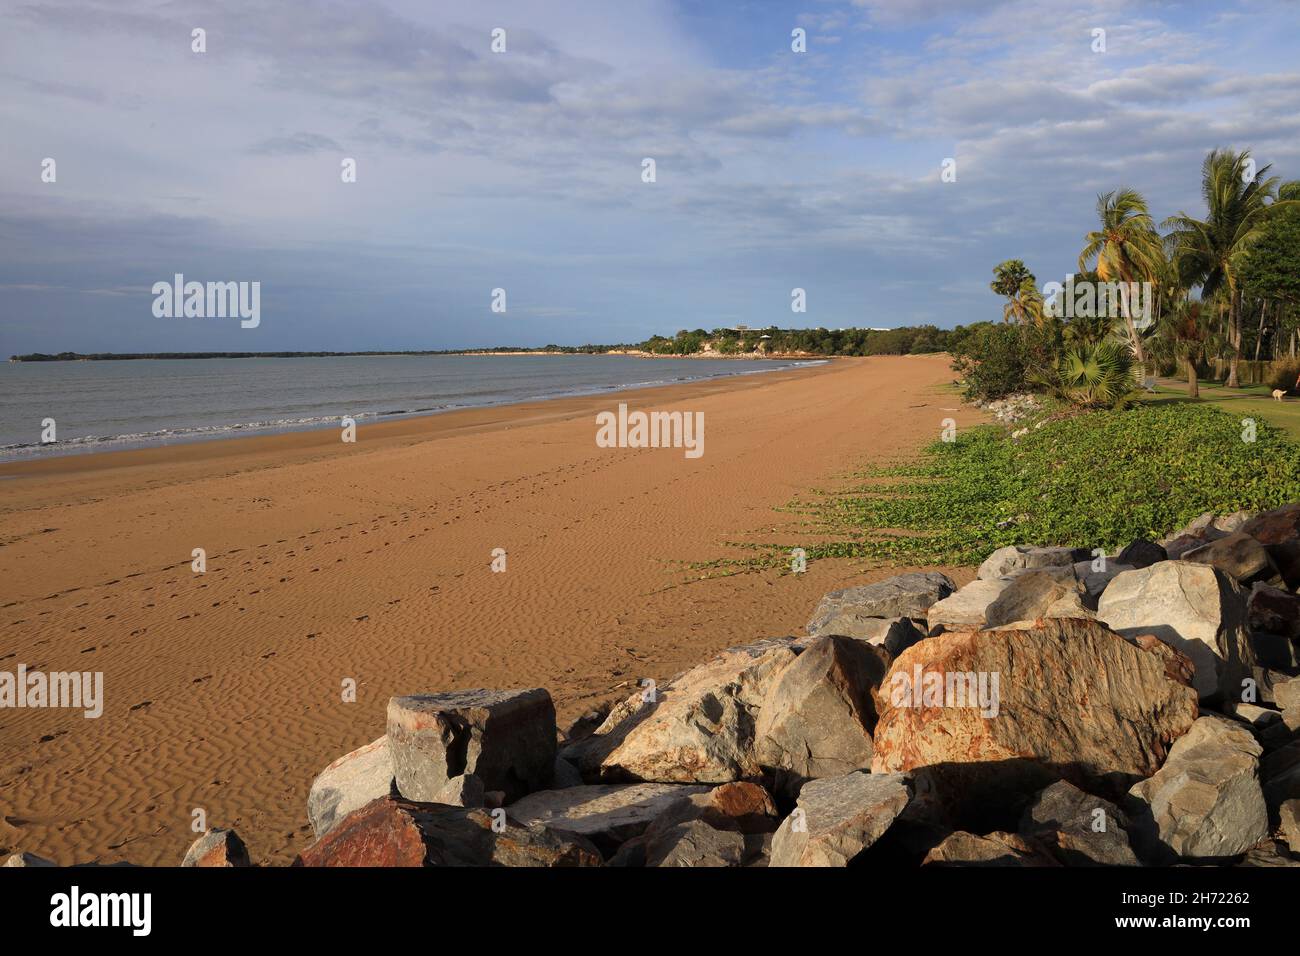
x: 522, y: 170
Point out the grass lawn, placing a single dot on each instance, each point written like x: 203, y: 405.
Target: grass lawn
x: 1249, y: 401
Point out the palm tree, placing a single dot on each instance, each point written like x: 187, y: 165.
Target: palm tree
x: 1127, y: 249
x: 1024, y: 302
x: 1096, y: 374
x: 1186, y: 328
x: 1212, y: 250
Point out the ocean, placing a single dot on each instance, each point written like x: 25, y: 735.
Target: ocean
x: 98, y: 406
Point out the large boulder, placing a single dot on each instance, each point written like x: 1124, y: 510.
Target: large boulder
x: 1037, y: 594
x: 348, y: 784
x: 993, y: 849
x: 606, y: 814
x: 1015, y: 557
x: 1279, y: 531
x: 1079, y: 829
x: 392, y: 831
x: 838, y: 817
x: 967, y: 607
x: 848, y: 611
x: 995, y: 715
x: 1197, y: 608
x: 818, y: 715
x: 1205, y: 802
x: 1237, y: 554
x: 699, y: 728
x: 697, y: 844
x: 218, y: 848
x: 894, y: 634
x: 504, y: 737
x: 676, y: 837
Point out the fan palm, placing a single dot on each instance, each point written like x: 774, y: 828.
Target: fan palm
x: 1126, y: 248
x: 1096, y: 374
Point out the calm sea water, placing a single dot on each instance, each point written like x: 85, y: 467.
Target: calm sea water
x: 104, y: 405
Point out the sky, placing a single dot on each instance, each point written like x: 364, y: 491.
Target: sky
x: 522, y: 170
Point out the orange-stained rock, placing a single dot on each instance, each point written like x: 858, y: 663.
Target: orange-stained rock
x: 1064, y: 699
x: 395, y: 832
x: 217, y: 848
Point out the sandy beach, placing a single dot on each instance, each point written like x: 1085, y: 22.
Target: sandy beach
x: 372, y: 561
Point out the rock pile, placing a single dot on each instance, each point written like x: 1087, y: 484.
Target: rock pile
x: 1065, y: 708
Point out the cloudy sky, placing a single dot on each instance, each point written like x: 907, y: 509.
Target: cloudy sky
x: 522, y: 170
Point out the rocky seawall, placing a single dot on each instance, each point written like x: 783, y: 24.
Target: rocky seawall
x: 1066, y: 708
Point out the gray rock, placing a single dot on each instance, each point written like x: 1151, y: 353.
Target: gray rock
x: 1205, y: 803
x: 1258, y: 717
x: 348, y: 784
x: 817, y: 718
x: 993, y: 849
x: 1237, y: 554
x: 27, y: 859
x: 606, y: 814
x: 1037, y: 594
x: 505, y: 737
x: 467, y: 790
x: 904, y: 595
x: 838, y: 817
x: 1197, y: 609
x: 566, y: 775
x: 1141, y: 553
x: 1271, y: 610
x: 1078, y: 828
x: 967, y: 607
x: 698, y: 728
x: 1286, y: 694
x: 894, y: 634
x: 218, y: 848
x: 696, y: 844
x: 1018, y: 557
x: 1095, y: 582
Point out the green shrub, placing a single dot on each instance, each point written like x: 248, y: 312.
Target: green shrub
x: 993, y: 361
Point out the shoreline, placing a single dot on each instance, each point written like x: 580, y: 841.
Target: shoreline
x: 372, y: 563
x: 369, y: 422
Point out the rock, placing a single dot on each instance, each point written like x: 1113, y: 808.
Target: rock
x: 27, y: 859
x: 1095, y: 582
x: 1286, y: 694
x: 217, y: 848
x: 967, y: 607
x: 348, y: 784
x: 566, y: 775
x: 1178, y: 666
x: 816, y: 719
x: 1196, y: 608
x: 1205, y: 803
x: 1141, y: 553
x: 586, y: 724
x: 392, y: 831
x: 1279, y: 531
x: 1289, y: 823
x: 699, y: 728
x: 1017, y: 557
x: 1237, y: 554
x: 1062, y: 698
x: 1078, y: 828
x: 894, y: 634
x: 1271, y: 610
x: 904, y: 595
x: 695, y: 844
x: 1037, y: 594
x: 837, y: 818
x: 1229, y: 524
x: 606, y: 814
x: 1201, y: 528
x: 995, y: 849
x: 464, y: 791
x: 1258, y: 717
x: 1269, y: 853
x: 741, y: 806
x: 505, y: 737
x: 1280, y: 772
